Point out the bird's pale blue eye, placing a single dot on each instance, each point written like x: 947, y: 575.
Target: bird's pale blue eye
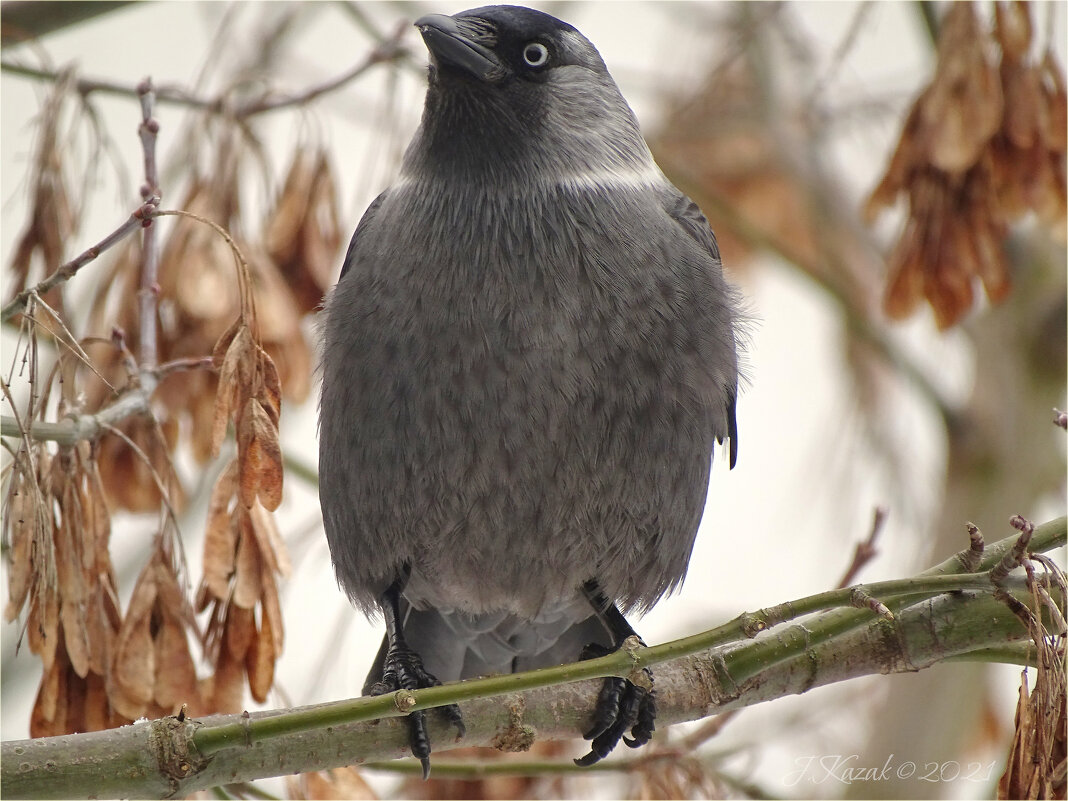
x: 535, y: 54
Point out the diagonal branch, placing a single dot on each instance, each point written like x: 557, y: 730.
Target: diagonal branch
x: 386, y: 51
x: 67, y: 271
x: 177, y: 756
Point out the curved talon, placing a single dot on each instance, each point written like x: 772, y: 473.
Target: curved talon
x: 607, y: 709
x: 403, y: 670
x: 645, y: 724
x: 621, y: 705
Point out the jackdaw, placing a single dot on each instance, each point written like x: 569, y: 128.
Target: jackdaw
x: 526, y: 362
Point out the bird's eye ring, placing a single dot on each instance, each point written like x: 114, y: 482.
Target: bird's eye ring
x: 535, y: 54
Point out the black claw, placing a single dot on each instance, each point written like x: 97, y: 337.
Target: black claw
x: 646, y: 722
x: 606, y: 711
x: 403, y: 669
x: 621, y: 705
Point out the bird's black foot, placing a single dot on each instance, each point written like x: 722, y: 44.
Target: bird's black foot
x: 621, y: 705
x: 402, y: 669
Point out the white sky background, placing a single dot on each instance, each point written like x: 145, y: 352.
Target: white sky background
x: 780, y: 526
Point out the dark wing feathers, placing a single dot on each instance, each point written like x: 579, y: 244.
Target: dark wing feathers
x: 690, y: 218
x: 367, y: 217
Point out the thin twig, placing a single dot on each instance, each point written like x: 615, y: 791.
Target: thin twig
x: 386, y: 51
x: 866, y: 550
x: 189, y: 363
x: 1015, y: 556
x: 156, y: 477
x: 971, y: 558
x: 66, y: 271
x: 389, y: 50
x: 63, y: 334
x: 148, y: 295
x: 75, y: 428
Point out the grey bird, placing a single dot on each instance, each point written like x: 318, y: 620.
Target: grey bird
x: 527, y: 361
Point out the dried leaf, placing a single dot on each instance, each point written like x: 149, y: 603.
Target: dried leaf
x: 270, y: 395
x: 97, y: 707
x: 100, y: 629
x: 75, y: 637
x: 76, y: 691
x: 122, y: 702
x: 222, y: 345
x: 235, y: 378
x: 905, y: 286
x: 962, y: 109
x: 272, y: 610
x: 1056, y: 101
x: 288, y: 216
x: 42, y: 626
x: 176, y: 676
x: 1013, y: 29
x: 227, y: 685
x: 272, y: 547
x: 207, y: 291
x: 260, y: 456
x: 247, y: 584
x: 1025, y: 109
x: 49, y: 715
x: 21, y: 518
x: 134, y: 662
x: 99, y: 517
x: 337, y: 783
x: 259, y: 661
x: 69, y: 575
x: 201, y: 410
x: 277, y: 315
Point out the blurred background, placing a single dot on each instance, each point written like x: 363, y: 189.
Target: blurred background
x: 905, y: 347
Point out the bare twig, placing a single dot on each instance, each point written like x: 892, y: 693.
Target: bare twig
x: 971, y: 558
x: 71, y: 430
x: 190, y: 363
x: 386, y: 51
x: 866, y: 550
x: 156, y: 477
x: 148, y: 296
x: 66, y: 271
x: 64, y: 334
x: 1014, y: 557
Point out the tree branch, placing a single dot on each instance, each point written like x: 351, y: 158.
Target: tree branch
x: 177, y: 756
x: 386, y: 51
x: 67, y: 271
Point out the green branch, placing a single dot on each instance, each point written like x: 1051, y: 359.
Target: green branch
x: 936, y: 616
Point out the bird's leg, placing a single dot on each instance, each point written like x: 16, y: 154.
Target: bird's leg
x: 621, y: 704
x: 403, y: 669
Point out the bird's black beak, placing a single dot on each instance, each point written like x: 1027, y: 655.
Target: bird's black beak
x: 461, y: 44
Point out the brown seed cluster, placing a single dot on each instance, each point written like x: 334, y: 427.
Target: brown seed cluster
x: 52, y: 219
x: 983, y: 145
x: 58, y: 527
x: 229, y: 346
x: 243, y: 552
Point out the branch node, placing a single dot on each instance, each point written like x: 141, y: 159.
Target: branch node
x: 1015, y: 556
x: 971, y: 558
x: 752, y: 624
x: 862, y: 599
x: 404, y: 700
